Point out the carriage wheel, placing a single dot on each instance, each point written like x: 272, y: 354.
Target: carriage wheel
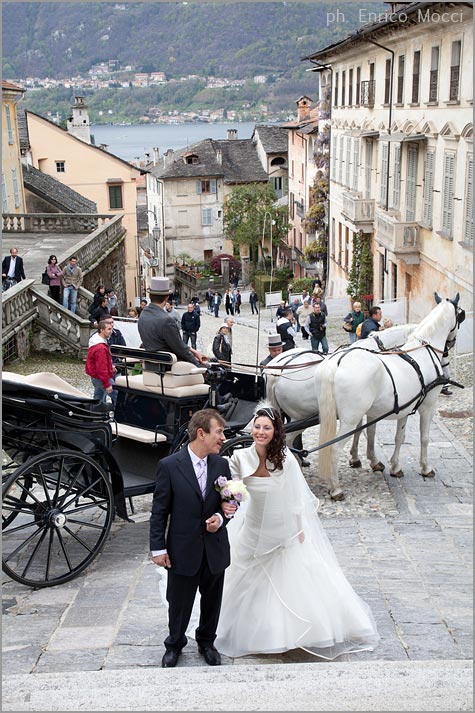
x: 57, y: 512
x: 236, y: 443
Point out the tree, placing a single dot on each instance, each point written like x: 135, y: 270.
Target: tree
x: 250, y: 214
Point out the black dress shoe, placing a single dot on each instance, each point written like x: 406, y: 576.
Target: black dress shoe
x: 170, y: 658
x: 211, y: 655
x: 446, y: 391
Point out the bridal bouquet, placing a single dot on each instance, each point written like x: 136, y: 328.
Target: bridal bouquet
x: 232, y: 491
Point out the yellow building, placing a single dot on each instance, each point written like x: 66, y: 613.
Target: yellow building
x: 13, y: 194
x: 106, y: 179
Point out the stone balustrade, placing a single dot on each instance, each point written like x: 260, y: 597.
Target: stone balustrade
x: 71, y: 330
x: 53, y: 222
x: 18, y: 309
x: 93, y: 249
x: 356, y: 208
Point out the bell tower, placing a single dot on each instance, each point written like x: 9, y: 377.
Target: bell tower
x: 78, y: 123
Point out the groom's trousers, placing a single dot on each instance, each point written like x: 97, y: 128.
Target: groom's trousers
x: 181, y: 592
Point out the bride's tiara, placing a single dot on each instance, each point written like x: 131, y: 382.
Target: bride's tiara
x: 265, y: 411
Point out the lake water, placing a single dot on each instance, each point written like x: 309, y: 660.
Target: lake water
x: 132, y: 142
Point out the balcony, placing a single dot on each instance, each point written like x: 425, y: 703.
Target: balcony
x: 358, y: 210
x: 402, y: 239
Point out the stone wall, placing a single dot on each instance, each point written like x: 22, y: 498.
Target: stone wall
x: 110, y: 273
x: 35, y: 204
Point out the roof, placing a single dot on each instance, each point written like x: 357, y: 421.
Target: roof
x: 9, y: 86
x: 274, y: 139
x: 91, y: 146
x: 390, y: 20
x: 49, y: 189
x: 306, y: 125
x: 239, y: 162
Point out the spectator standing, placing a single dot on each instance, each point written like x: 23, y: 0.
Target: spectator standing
x: 99, y: 312
x: 173, y: 313
x: 143, y: 304
x: 355, y: 318
x: 237, y: 302
x: 12, y: 268
x: 372, y: 323
x: 294, y: 305
x: 235, y: 279
x: 228, y: 302
x: 316, y: 326
x: 216, y: 302
x: 196, y: 305
x: 280, y: 309
x: 72, y: 280
x: 230, y: 322
x: 304, y: 311
x: 111, y: 298
x: 222, y: 349
x: 54, y: 273
x: 99, y: 364
x: 323, y: 307
x: 253, y: 301
x: 98, y: 295
x: 116, y: 337
x: 176, y: 296
x: 286, y: 329
x: 132, y: 313
x: 209, y: 299
x: 190, y: 324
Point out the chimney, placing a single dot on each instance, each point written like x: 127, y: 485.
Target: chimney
x: 232, y: 134
x: 168, y: 158
x: 303, y: 108
x: 219, y: 156
x: 155, y: 155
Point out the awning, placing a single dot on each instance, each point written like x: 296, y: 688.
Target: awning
x: 403, y: 138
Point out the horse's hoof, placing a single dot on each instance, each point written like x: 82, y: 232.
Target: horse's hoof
x: 399, y: 474
x: 430, y: 474
x: 337, y: 495
x: 378, y: 467
x: 355, y: 464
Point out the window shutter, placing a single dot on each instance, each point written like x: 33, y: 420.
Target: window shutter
x: 4, y: 195
x: 356, y: 161
x: 396, y: 175
x: 411, y: 184
x: 384, y: 171
x: 428, y: 188
x: 340, y: 167
x: 468, y: 237
x: 213, y: 185
x: 348, y: 162
x: 198, y: 187
x: 16, y: 194
x: 334, y: 151
x: 368, y: 168
x: 448, y: 198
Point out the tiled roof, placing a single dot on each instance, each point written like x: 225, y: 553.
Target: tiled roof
x: 23, y: 130
x: 55, y: 192
x: 11, y: 87
x: 274, y: 139
x: 239, y: 164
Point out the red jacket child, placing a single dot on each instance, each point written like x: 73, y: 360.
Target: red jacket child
x: 99, y: 361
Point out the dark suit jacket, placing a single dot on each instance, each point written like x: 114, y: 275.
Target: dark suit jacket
x: 159, y: 332
x: 19, y: 271
x: 177, y: 501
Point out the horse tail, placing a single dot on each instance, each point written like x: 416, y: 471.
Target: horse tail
x: 328, y: 417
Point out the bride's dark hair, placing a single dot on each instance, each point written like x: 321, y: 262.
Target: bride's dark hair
x: 276, y: 448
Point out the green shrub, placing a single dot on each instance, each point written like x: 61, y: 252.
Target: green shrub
x: 302, y: 283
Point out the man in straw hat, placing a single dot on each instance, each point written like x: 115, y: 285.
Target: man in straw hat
x: 159, y: 331
x: 275, y: 348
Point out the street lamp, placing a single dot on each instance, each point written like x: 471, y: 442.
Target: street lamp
x: 272, y: 222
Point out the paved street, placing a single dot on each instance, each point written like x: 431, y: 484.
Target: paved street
x: 404, y: 544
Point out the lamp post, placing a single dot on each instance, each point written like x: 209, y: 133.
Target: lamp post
x: 272, y: 222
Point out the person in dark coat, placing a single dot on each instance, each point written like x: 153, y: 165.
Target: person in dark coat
x: 222, y: 349
x: 98, y: 312
x: 316, y: 326
x: 286, y: 330
x: 12, y: 267
x: 159, y: 331
x: 188, y: 535
x: 253, y: 301
x: 190, y: 324
x: 216, y: 302
x: 372, y: 323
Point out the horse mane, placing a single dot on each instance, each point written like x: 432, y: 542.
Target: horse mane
x: 431, y: 324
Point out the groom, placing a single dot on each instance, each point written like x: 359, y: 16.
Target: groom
x: 195, y: 548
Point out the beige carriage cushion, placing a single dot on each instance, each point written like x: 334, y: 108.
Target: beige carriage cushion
x: 47, y: 380
x: 137, y: 434
x: 182, y: 373
x: 136, y: 382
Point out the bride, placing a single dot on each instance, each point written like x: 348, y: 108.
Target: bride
x: 284, y: 589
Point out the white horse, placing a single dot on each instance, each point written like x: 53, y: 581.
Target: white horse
x: 293, y: 390
x: 385, y: 385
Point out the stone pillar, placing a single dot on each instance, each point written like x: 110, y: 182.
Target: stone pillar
x: 245, y: 271
x: 225, y: 271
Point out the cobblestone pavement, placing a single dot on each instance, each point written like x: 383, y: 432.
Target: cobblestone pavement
x: 404, y: 544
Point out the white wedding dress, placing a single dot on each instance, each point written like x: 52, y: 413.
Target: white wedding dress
x: 284, y: 588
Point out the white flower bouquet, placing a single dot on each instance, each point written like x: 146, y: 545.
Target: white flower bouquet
x: 232, y: 491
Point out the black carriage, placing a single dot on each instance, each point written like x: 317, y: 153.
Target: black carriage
x: 74, y: 466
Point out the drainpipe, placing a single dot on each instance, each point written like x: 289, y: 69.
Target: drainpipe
x: 386, y: 49
x: 330, y: 147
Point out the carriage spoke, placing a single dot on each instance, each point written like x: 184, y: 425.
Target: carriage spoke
x: 20, y: 527
x: 28, y: 492
x: 71, y: 485
x: 63, y: 547
x: 28, y: 564
x: 93, y: 504
x: 77, y: 538
x: 85, y: 524
x: 59, y: 481
x: 23, y: 544
x: 48, y: 556
x: 43, y: 481
x: 81, y: 494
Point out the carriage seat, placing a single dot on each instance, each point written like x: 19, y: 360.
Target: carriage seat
x: 48, y: 381
x: 183, y: 379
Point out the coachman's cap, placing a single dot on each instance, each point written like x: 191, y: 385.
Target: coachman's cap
x: 275, y: 340
x: 160, y: 286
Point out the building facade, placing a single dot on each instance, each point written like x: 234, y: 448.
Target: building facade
x: 401, y: 156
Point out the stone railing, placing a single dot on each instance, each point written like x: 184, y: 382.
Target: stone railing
x: 356, y: 208
x: 92, y: 250
x: 53, y: 222
x: 400, y: 238
x: 84, y: 299
x: 18, y: 309
x: 189, y: 284
x: 71, y: 330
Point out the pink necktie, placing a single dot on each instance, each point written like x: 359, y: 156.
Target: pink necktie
x: 202, y: 476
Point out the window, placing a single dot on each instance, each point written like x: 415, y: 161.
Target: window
x: 9, y: 124
x: 350, y: 87
x: 394, y: 279
x: 206, y: 216
x: 191, y: 159
x: 387, y: 82
x: 115, y: 197
x: 335, y: 100
x: 411, y: 187
x: 428, y: 189
x: 400, y: 80
x: 368, y: 168
x: 455, y: 71
x: 60, y: 167
x: 434, y: 74
x: 396, y: 175
x: 340, y: 167
x: 4, y: 195
x: 343, y: 88
x: 207, y: 186
x: 468, y: 233
x: 16, y: 193
x: 346, y: 255
x: 358, y: 86
x: 348, y: 162
x: 356, y: 161
x: 416, y: 70
x: 448, y: 193
x: 384, y: 172
x: 333, y: 238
